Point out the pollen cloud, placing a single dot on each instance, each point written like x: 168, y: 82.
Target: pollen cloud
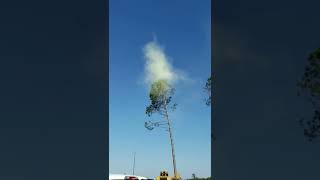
x: 157, y: 66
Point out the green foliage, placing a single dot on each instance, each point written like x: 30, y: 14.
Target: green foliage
x: 309, y: 85
x: 160, y: 96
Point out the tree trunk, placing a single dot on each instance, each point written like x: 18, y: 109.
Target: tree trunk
x: 172, y: 145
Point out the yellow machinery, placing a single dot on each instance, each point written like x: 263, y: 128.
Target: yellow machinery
x: 163, y: 176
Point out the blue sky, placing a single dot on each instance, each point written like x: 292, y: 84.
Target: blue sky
x: 183, y: 29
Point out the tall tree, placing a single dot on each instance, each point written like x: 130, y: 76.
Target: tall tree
x: 194, y: 176
x: 160, y: 96
x: 309, y: 86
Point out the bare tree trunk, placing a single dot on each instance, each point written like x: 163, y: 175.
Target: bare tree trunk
x: 171, y: 140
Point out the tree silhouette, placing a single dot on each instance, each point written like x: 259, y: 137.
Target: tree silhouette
x: 207, y: 88
x: 309, y: 86
x: 194, y: 176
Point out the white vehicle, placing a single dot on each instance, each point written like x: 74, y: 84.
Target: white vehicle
x: 126, y: 177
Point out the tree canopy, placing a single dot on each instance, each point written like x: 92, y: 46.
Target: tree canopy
x: 160, y: 96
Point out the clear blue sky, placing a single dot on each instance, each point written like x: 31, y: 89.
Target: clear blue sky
x: 183, y: 28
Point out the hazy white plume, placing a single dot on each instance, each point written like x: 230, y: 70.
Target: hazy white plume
x: 157, y: 66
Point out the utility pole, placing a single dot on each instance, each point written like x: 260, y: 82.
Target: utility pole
x: 134, y: 162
